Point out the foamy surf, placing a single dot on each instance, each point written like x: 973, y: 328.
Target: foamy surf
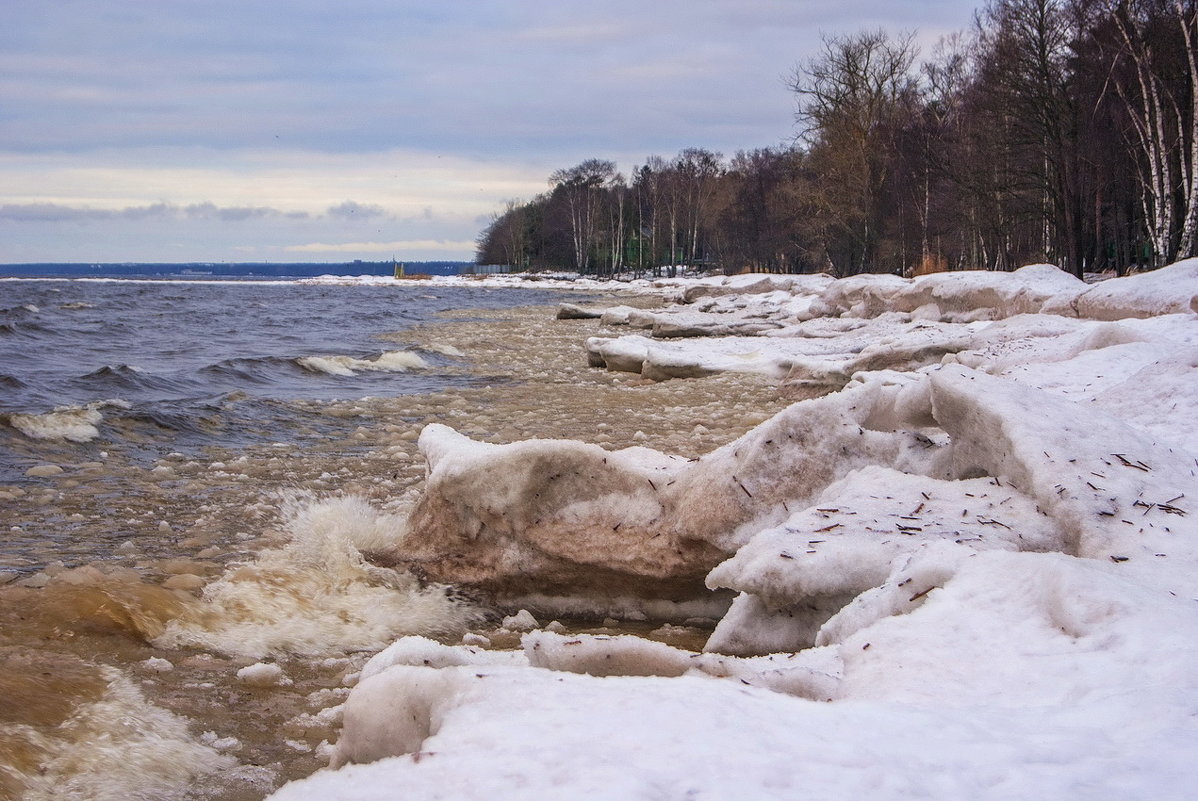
x: 70, y: 729
x: 445, y: 349
x: 316, y: 594
x: 69, y: 423
x: 395, y: 361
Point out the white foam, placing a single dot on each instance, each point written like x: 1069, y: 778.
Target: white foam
x: 395, y: 361
x: 70, y: 423
x: 117, y: 748
x: 316, y: 593
x: 445, y: 349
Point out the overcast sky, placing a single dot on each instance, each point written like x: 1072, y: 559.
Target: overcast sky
x: 297, y: 130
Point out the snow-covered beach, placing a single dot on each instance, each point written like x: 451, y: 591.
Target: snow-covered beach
x: 774, y: 537
x: 964, y: 565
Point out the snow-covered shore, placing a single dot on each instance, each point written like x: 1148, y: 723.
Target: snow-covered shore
x: 964, y: 563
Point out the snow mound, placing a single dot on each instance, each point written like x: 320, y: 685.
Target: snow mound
x: 977, y: 295
x: 964, y: 567
x: 422, y: 652
x: 945, y: 706
x: 1169, y: 290
x: 795, y: 576
x: 550, y: 516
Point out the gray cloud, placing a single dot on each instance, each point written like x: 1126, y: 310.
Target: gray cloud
x: 359, y: 211
x: 518, y: 77
x: 56, y: 213
x: 222, y: 94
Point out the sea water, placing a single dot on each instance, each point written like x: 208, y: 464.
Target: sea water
x: 144, y: 368
x: 194, y: 481
x: 165, y: 357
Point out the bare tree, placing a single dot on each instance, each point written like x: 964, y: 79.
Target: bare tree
x: 851, y: 99
x: 1155, y: 75
x: 582, y: 188
x: 698, y: 172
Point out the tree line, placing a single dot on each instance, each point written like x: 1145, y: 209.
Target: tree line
x: 1054, y: 130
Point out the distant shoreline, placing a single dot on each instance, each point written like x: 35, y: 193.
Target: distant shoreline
x: 224, y: 269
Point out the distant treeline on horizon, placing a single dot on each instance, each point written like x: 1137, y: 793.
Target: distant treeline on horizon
x: 228, y: 270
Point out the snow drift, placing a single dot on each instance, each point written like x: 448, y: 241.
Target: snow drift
x: 962, y: 569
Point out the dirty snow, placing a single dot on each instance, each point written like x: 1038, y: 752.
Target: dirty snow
x: 963, y: 564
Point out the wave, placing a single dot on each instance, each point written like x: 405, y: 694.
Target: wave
x: 179, y: 419
x: 254, y: 369
x: 20, y: 311
x: 126, y: 377
x: 317, y: 594
x: 445, y: 349
x: 70, y: 423
x: 86, y: 731
x: 395, y: 361
x: 23, y: 326
x: 118, y: 373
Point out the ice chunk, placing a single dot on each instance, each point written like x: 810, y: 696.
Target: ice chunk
x: 550, y: 515
x: 421, y: 651
x: 1002, y: 294
x: 605, y: 656
x: 521, y: 621
x: 262, y: 674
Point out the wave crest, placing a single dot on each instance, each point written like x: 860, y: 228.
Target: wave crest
x: 70, y: 423
x: 317, y: 594
x: 395, y: 361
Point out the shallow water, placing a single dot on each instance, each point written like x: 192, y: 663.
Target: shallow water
x: 162, y: 558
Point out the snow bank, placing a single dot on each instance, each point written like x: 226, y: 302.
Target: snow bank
x: 558, y: 515
x: 795, y: 576
x: 751, y: 284
x: 550, y: 516
x: 1108, y: 487
x: 1169, y: 290
x: 992, y: 689
x: 967, y: 569
x: 1057, y: 478
x: 981, y: 295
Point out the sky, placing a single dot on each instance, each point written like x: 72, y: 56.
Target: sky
x: 297, y: 130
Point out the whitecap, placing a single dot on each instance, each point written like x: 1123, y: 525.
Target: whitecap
x: 70, y: 423
x: 114, y: 745
x: 395, y: 361
x: 445, y: 349
x: 316, y: 593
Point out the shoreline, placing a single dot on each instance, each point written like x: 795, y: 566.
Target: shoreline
x: 940, y: 532
x: 858, y: 579
x: 228, y: 510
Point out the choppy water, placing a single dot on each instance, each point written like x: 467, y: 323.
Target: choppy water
x: 193, y: 478
x: 202, y: 361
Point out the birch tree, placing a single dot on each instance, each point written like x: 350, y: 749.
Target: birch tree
x: 581, y: 188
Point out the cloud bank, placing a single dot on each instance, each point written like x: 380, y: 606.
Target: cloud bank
x: 294, y: 107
